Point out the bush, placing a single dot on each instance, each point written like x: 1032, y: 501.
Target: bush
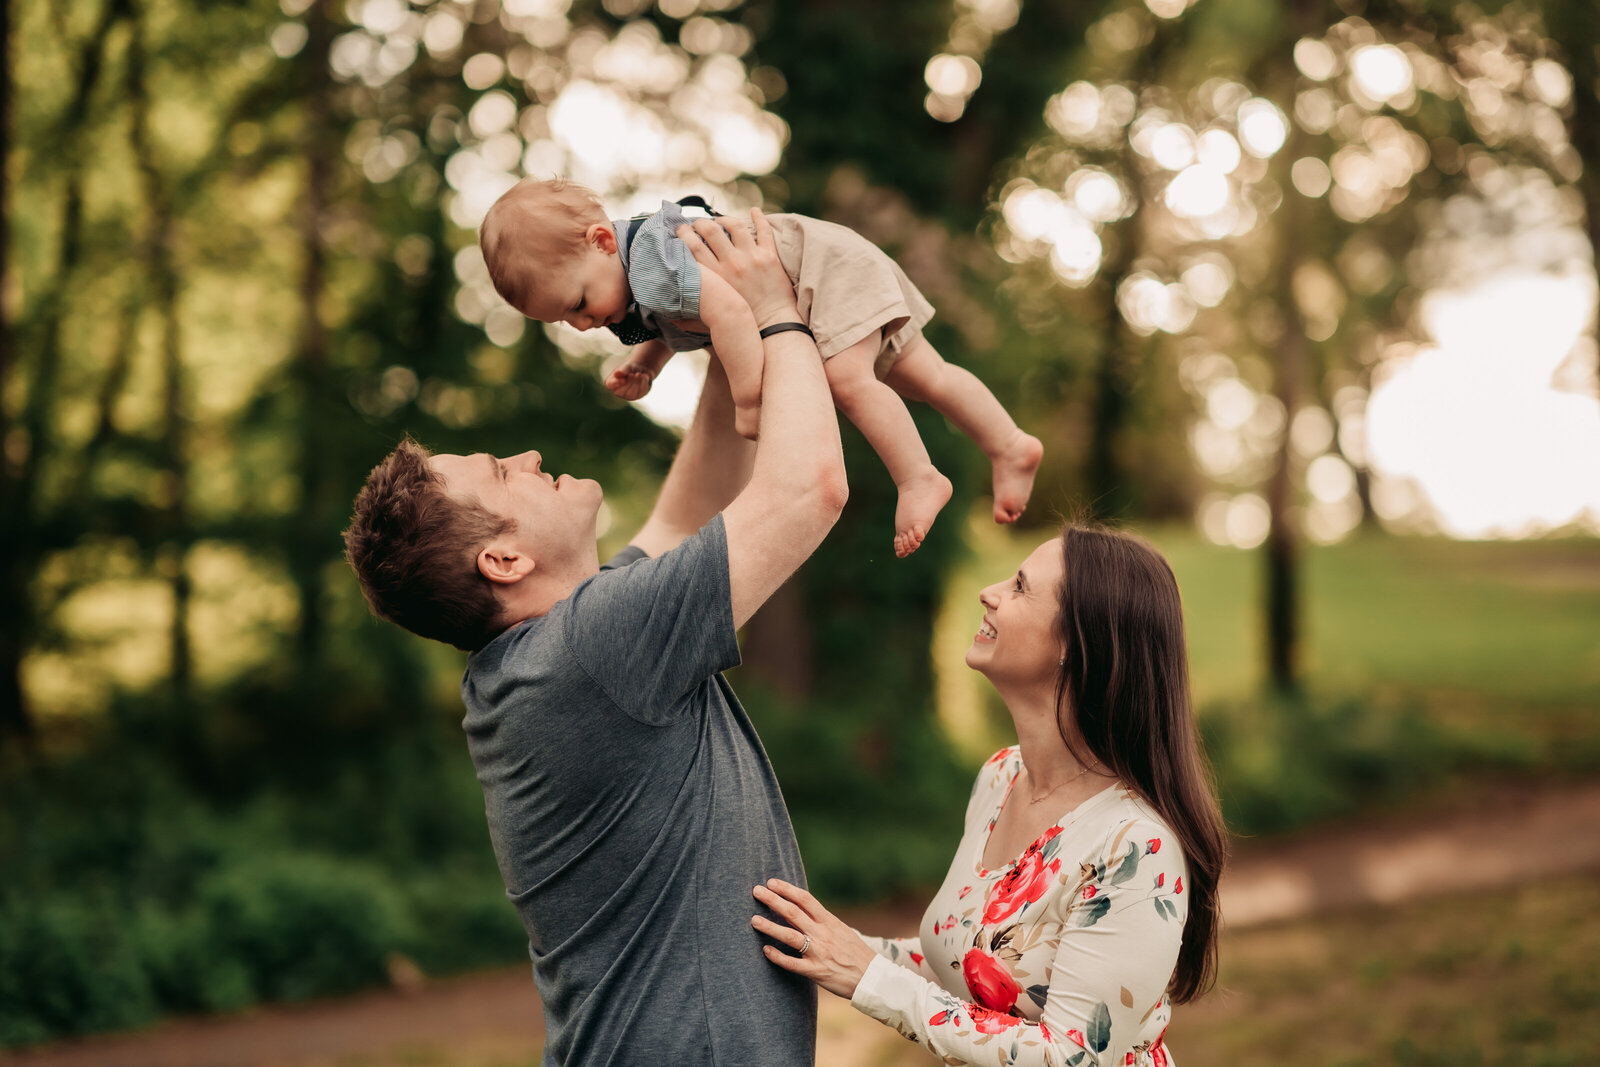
x: 1282, y: 763
x: 130, y: 896
x: 67, y: 966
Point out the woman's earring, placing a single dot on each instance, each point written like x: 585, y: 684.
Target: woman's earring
x: 1062, y: 662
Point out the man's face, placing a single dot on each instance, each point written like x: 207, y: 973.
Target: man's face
x: 588, y: 293
x: 555, y: 516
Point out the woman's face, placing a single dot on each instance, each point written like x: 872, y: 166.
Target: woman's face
x: 1017, y: 640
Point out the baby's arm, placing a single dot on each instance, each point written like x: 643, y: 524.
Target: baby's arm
x: 737, y: 343
x: 632, y: 379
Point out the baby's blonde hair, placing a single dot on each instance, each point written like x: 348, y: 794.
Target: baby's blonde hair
x: 535, y: 226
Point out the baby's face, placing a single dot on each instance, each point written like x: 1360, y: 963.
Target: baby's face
x: 589, y: 293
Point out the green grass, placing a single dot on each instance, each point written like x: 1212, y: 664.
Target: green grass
x: 1513, y: 621
x: 1499, y: 641
x: 1508, y: 978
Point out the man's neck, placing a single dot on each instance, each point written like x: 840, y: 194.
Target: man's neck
x: 537, y: 594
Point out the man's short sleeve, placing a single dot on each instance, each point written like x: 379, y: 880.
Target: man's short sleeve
x: 662, y: 271
x: 650, y: 631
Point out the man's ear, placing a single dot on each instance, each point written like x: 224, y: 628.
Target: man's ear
x: 600, y: 236
x: 503, y: 565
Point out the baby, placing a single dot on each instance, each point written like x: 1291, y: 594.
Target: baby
x: 554, y: 256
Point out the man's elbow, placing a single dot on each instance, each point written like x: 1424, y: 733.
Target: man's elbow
x: 833, y: 492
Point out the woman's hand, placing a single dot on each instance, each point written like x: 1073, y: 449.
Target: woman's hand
x: 746, y: 257
x: 833, y: 957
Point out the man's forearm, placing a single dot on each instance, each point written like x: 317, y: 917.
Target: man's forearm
x: 799, y: 448
x: 710, y: 468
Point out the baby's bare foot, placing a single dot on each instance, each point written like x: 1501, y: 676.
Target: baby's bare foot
x: 1014, y: 469
x: 630, y: 381
x: 747, y: 421
x: 921, y: 498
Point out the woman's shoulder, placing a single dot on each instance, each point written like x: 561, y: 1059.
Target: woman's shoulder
x: 1124, y: 821
x: 996, y: 771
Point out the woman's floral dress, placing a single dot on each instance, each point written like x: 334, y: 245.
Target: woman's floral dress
x: 1061, y: 957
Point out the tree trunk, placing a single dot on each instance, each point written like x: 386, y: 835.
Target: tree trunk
x: 777, y: 643
x: 1283, y: 536
x: 23, y: 447
x: 1119, y: 349
x: 309, y: 553
x: 175, y: 437
x: 14, y: 719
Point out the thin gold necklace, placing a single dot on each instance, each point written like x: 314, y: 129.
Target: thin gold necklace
x: 1057, y: 788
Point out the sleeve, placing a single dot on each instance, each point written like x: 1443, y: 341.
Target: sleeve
x: 1122, y: 927
x: 662, y: 272
x: 901, y: 951
x: 650, y: 631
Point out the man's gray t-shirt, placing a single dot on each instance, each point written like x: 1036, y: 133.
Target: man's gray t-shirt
x: 632, y: 808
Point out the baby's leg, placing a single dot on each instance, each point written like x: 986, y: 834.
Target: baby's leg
x: 883, y: 420
x: 958, y: 395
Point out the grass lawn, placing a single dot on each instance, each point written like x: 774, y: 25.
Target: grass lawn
x: 1500, y: 639
x: 1509, y: 978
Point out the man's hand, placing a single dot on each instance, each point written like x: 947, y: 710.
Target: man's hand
x: 747, y: 261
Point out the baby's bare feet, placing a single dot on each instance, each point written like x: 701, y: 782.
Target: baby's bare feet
x: 1014, y: 468
x: 921, y: 498
x: 630, y: 381
x: 747, y: 421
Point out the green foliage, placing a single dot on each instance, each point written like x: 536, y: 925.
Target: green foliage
x: 876, y: 813
x: 133, y: 895
x: 1282, y: 763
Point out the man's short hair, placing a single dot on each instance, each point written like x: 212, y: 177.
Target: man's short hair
x: 414, y: 549
x: 536, y: 226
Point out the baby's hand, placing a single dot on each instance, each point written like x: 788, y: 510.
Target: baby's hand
x: 630, y: 381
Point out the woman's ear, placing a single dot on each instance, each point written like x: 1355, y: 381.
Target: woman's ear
x: 503, y: 565
x: 600, y: 236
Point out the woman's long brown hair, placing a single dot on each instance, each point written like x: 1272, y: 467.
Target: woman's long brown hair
x: 1125, y: 683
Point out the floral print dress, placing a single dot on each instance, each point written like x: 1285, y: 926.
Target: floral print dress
x: 1060, y: 957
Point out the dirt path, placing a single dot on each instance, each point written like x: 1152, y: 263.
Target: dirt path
x: 492, y: 1019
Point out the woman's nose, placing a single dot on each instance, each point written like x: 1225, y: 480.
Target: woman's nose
x: 987, y: 597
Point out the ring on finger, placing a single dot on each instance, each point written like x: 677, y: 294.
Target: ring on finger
x: 805, y: 945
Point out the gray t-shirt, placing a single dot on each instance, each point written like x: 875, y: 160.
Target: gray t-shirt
x: 632, y: 808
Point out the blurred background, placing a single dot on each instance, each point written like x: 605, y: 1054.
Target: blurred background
x: 1302, y: 290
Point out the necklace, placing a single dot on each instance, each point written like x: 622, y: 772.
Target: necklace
x: 1041, y: 798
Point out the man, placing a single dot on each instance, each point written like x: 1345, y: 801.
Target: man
x: 631, y: 806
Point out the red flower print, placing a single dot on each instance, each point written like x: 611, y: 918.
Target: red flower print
x: 916, y: 957
x: 1022, y: 884
x: 991, y: 984
x: 992, y: 1022
x: 1161, y: 879
x: 1088, y: 891
x: 942, y: 1018
x: 1158, y: 1054
x: 936, y: 926
x: 1129, y: 1060
x: 1177, y: 887
x: 1045, y: 1031
x: 1077, y: 1035
x: 964, y: 891
x: 1152, y: 845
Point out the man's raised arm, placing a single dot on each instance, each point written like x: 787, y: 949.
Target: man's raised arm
x: 711, y: 466
x: 797, y: 485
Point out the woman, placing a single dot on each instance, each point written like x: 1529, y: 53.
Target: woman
x: 1082, y: 901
